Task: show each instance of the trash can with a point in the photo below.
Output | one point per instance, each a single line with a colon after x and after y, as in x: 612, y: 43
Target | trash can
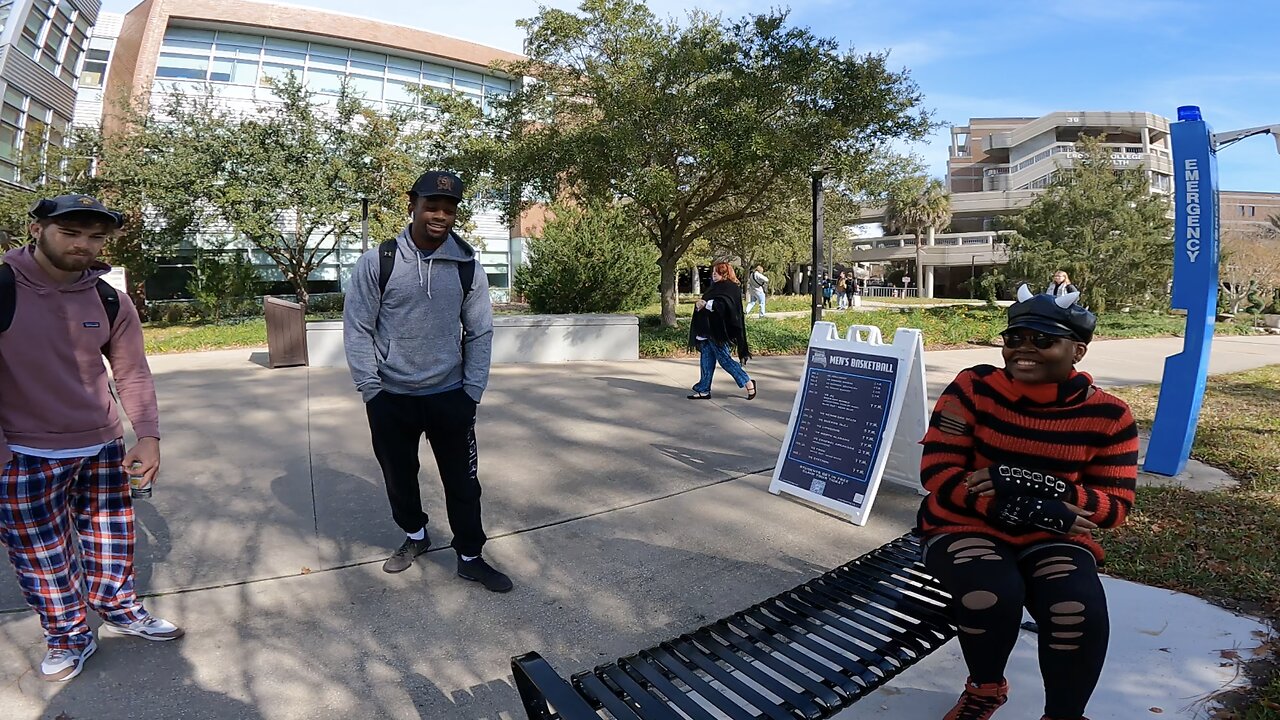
x: 286, y: 333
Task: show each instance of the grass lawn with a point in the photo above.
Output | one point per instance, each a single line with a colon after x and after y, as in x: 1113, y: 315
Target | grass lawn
x: 1223, y: 546
x: 944, y: 327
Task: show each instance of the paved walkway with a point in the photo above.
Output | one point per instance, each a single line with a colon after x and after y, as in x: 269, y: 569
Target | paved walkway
x: 625, y: 514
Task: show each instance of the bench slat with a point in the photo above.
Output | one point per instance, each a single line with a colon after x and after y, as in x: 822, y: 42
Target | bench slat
x: 771, y: 709
x: 593, y: 688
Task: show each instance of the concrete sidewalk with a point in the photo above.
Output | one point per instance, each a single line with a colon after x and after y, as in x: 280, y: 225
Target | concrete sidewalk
x: 619, y: 508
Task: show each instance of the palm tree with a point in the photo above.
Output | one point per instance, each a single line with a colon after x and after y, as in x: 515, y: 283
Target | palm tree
x: 916, y: 205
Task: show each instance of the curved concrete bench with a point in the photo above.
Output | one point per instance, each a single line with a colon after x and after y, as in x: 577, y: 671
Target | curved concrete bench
x: 518, y: 339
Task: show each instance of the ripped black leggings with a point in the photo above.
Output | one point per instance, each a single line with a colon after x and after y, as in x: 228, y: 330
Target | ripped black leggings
x: 1057, y: 583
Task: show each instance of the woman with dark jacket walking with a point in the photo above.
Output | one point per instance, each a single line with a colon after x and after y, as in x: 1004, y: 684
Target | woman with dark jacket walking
x: 718, y: 324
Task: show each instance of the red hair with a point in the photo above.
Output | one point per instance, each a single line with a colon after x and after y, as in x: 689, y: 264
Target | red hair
x: 725, y: 270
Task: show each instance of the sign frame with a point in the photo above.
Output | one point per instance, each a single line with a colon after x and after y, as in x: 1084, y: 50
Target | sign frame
x: 904, y: 426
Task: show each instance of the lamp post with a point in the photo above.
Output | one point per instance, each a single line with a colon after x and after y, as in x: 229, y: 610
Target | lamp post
x: 817, y: 174
x: 364, y: 225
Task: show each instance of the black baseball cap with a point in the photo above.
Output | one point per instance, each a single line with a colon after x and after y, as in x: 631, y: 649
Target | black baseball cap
x: 438, y: 183
x: 75, y: 204
x: 1051, y: 315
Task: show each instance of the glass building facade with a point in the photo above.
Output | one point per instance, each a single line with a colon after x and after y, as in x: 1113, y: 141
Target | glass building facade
x: 194, y: 52
x: 45, y: 42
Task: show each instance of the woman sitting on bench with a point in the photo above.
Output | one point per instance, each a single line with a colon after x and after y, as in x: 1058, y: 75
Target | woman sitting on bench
x: 1022, y: 465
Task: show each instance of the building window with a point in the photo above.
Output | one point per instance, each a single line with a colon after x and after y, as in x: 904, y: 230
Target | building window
x: 1251, y: 210
x: 6, y: 8
x: 1241, y: 210
x: 182, y: 67
x: 248, y: 61
x: 95, y: 68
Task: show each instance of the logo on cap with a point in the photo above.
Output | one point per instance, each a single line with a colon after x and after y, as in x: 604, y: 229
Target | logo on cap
x: 87, y: 201
x: 444, y: 182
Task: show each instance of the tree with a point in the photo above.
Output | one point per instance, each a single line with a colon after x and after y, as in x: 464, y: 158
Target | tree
x: 916, y: 205
x: 1100, y: 224
x: 588, y: 260
x: 1249, y: 263
x: 292, y: 176
x: 697, y: 125
x: 157, y: 172
x: 47, y: 170
x: 146, y: 170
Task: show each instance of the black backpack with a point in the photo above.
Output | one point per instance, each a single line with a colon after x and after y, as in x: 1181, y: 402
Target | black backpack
x: 387, y: 262
x: 9, y: 300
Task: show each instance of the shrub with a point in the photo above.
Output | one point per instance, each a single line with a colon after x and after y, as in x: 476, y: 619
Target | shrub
x: 172, y: 312
x: 589, y: 260
x: 223, y: 286
x: 328, y: 305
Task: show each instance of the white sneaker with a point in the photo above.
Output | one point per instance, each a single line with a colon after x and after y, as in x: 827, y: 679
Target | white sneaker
x: 153, y: 628
x: 60, y: 664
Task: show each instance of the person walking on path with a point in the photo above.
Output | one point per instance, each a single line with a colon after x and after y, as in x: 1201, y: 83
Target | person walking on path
x: 418, y: 333
x: 1023, y: 464
x: 828, y: 291
x: 1061, y: 284
x: 757, y: 284
x: 61, y: 439
x: 842, y: 288
x: 717, y: 328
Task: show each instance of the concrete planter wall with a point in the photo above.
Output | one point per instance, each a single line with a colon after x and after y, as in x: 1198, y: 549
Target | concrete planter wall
x: 518, y: 339
x: 1271, y: 321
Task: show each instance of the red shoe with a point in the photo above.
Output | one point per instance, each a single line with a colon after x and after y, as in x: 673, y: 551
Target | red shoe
x: 979, y: 702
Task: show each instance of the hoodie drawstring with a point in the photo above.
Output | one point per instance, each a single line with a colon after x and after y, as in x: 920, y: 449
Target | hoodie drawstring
x: 430, y: 264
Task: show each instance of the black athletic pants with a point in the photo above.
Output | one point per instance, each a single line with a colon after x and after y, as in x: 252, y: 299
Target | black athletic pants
x: 1058, y: 583
x: 398, y: 423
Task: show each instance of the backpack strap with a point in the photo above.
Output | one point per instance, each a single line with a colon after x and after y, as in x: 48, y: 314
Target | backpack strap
x: 467, y: 277
x: 8, y: 296
x: 386, y: 263
x: 111, y: 303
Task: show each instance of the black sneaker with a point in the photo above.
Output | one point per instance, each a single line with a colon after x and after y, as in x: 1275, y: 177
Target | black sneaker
x: 401, y: 559
x: 480, y: 571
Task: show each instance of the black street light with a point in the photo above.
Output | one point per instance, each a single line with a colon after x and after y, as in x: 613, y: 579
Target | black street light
x: 364, y: 225
x: 817, y: 174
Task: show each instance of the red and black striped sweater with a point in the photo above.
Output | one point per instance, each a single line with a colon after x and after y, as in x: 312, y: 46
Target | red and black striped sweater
x: 1072, y: 430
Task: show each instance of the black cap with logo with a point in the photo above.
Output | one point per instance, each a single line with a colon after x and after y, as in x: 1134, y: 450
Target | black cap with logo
x: 64, y: 205
x: 438, y: 183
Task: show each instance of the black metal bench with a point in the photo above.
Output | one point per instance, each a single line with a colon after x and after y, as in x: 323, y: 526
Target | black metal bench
x: 803, y: 654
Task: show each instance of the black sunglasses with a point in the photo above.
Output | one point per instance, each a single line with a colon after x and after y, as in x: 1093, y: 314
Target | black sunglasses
x: 1040, y: 340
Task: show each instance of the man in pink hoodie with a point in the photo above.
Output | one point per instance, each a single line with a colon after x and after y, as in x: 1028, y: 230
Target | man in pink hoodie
x: 61, y: 445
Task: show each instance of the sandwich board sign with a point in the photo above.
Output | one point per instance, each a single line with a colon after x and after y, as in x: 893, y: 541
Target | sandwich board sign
x: 857, y: 419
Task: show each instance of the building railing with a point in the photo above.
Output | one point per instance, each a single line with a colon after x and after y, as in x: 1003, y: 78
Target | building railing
x: 939, y: 240
x: 882, y: 291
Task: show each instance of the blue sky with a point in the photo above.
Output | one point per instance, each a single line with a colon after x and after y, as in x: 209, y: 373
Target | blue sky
x: 979, y: 58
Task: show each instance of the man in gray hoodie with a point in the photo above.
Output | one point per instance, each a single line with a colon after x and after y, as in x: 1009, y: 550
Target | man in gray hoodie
x: 418, y: 344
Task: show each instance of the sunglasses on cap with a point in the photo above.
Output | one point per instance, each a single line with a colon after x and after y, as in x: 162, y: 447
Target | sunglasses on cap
x: 1042, y: 341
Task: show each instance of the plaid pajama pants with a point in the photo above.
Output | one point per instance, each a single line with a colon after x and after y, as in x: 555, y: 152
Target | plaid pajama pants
x: 41, y: 501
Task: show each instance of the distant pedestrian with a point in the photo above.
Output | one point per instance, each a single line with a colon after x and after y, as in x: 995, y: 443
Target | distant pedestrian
x: 1061, y: 284
x: 757, y: 284
x: 842, y: 287
x: 718, y: 328
x: 850, y: 289
x: 828, y: 291
x: 66, y: 515
x: 418, y: 331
